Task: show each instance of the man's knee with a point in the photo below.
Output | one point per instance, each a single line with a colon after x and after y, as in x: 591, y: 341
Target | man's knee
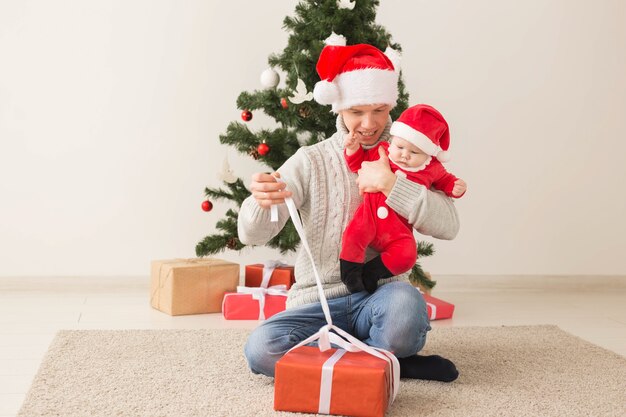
x: 406, y: 317
x: 264, y: 348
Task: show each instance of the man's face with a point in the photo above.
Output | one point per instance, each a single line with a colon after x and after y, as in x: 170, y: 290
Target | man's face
x: 366, y: 122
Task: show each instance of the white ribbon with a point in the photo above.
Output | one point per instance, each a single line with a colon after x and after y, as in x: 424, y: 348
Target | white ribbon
x: 327, y: 381
x: 295, y: 218
x: 433, y: 311
x: 325, y: 338
x: 259, y: 293
x: 268, y: 270
x: 433, y: 308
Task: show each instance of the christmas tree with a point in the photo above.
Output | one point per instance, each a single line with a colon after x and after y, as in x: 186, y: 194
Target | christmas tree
x: 300, y: 120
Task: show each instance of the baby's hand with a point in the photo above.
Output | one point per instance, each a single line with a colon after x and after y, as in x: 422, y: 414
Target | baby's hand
x: 350, y: 143
x: 459, y: 188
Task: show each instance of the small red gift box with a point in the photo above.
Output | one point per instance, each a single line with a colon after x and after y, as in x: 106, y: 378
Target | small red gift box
x: 242, y: 306
x: 438, y: 309
x: 282, y: 275
x: 332, y: 382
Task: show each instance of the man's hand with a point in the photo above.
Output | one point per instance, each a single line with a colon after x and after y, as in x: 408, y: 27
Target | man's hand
x: 376, y: 176
x: 459, y: 188
x: 267, y: 191
x: 350, y: 143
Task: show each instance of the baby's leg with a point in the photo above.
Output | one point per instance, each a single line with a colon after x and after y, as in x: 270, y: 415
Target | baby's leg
x: 356, y: 238
x: 398, y: 253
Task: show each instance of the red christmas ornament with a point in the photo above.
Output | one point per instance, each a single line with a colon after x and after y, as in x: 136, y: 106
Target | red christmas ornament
x: 246, y: 115
x: 263, y: 149
x: 284, y: 103
x: 207, y: 205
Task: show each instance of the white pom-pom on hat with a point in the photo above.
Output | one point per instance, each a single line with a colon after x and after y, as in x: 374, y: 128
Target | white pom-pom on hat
x: 326, y: 92
x: 395, y: 57
x: 443, y: 156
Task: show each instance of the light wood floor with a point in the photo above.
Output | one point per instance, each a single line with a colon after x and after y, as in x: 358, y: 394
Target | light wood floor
x: 32, y: 310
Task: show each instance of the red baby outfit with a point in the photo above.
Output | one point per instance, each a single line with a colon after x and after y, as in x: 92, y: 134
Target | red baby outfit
x: 375, y: 224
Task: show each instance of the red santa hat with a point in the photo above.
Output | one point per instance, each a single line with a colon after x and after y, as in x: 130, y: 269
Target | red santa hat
x: 355, y: 75
x: 424, y: 127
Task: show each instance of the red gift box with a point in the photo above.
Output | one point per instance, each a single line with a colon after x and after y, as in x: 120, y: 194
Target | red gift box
x: 438, y: 309
x: 242, y: 306
x: 282, y: 275
x: 332, y: 382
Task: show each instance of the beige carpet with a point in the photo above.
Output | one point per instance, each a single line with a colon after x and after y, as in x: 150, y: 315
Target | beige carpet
x: 505, y: 371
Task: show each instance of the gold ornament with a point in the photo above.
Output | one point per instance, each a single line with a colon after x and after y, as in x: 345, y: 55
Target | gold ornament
x: 254, y: 153
x: 232, y: 243
x: 304, y: 111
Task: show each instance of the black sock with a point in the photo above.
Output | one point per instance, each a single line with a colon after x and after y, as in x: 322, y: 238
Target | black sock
x: 432, y: 368
x: 372, y: 272
x: 352, y: 275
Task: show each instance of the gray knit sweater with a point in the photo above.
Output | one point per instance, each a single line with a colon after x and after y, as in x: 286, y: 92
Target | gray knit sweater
x: 325, y: 193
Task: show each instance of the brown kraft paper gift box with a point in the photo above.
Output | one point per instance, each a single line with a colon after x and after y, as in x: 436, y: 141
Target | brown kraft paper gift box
x: 192, y: 286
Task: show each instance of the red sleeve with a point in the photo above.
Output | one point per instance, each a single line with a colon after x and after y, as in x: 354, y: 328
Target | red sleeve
x: 355, y: 160
x: 444, y: 181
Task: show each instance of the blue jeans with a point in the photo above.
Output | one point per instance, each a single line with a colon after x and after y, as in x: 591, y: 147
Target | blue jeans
x: 393, y: 318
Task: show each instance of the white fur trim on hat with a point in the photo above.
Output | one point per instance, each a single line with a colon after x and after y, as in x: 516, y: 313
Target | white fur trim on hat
x: 416, y: 137
x: 366, y: 86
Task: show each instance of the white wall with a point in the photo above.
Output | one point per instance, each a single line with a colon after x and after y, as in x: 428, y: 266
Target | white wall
x: 110, y: 113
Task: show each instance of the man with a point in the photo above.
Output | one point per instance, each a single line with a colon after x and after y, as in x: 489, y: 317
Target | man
x: 361, y: 84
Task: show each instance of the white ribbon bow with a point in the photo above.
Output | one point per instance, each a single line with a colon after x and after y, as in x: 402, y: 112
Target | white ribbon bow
x: 259, y: 293
x: 268, y: 270
x: 325, y: 337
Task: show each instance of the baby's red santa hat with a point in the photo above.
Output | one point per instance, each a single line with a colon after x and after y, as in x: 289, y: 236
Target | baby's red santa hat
x: 356, y: 75
x: 424, y: 127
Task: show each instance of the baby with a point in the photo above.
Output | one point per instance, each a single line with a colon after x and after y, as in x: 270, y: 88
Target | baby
x: 419, y: 142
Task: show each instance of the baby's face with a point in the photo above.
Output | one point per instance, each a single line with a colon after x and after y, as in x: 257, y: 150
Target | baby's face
x: 405, y: 154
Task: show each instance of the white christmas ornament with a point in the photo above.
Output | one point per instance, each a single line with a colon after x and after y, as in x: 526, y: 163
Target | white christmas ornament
x: 301, y: 94
x: 346, y: 4
x: 303, y: 137
x: 335, y: 40
x: 227, y: 175
x: 269, y: 78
